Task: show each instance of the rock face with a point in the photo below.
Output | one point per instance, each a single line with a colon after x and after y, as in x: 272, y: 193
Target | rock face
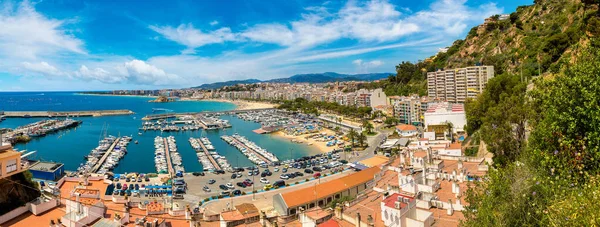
x: 161, y: 99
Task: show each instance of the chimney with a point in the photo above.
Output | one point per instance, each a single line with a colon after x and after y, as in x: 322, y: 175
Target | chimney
x: 460, y: 164
x: 450, y: 210
x: 77, y: 203
x: 357, y: 220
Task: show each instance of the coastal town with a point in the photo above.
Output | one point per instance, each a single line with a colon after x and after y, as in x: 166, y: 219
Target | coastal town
x: 404, y: 163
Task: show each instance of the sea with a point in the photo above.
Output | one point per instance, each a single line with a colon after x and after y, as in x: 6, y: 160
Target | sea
x: 70, y: 146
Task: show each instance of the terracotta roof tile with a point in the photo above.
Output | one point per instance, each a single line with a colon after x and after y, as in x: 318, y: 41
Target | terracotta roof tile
x: 306, y: 195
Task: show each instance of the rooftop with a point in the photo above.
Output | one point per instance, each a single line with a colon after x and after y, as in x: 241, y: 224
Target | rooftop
x: 369, y: 204
x: 306, y: 195
x: 318, y: 213
x: 155, y: 207
x: 45, y: 166
x: 7, y: 151
x: 391, y: 200
x: 406, y: 127
x: 375, y: 161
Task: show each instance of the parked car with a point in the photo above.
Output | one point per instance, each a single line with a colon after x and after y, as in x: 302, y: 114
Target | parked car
x: 284, y: 176
x: 241, y: 184
x: 317, y: 169
x: 267, y: 186
x: 225, y: 193
x: 223, y: 187
x: 299, y: 174
x: 317, y: 175
x: 206, y: 189
x: 236, y: 192
x: 264, y: 180
x: 211, y: 181
x: 279, y: 183
x: 230, y: 186
x: 309, y: 171
x: 233, y: 176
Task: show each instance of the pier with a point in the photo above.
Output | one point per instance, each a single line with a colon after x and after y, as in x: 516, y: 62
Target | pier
x: 252, y: 150
x: 93, y: 113
x: 103, y: 159
x: 172, y: 115
x: 168, y: 156
x: 210, y: 157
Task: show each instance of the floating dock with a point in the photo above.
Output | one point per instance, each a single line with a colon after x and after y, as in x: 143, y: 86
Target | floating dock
x: 172, y: 115
x: 93, y: 113
x: 110, y: 149
x: 207, y: 153
x: 168, y: 156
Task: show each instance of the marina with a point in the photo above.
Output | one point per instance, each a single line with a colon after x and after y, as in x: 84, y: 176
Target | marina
x: 160, y: 156
x: 176, y: 160
x: 182, y: 124
x: 93, y: 113
x: 95, y: 158
x: 114, y: 155
x: 39, y: 129
x: 256, y: 154
x: 209, y: 159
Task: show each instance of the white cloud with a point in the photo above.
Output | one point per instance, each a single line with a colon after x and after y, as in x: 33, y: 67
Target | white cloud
x: 192, y: 38
x: 43, y: 68
x: 368, y: 64
x: 26, y: 34
x: 99, y: 74
x: 141, y: 72
x: 213, y: 23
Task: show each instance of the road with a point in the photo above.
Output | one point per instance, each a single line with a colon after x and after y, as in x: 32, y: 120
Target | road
x: 265, y: 199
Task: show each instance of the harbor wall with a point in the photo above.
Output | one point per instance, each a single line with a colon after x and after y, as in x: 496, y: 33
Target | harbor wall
x: 93, y: 113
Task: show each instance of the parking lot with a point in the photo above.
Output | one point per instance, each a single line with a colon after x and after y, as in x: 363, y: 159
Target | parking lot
x: 195, y: 184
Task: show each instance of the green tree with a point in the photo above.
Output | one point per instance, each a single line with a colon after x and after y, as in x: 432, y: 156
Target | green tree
x: 352, y: 135
x: 391, y: 121
x: 362, y: 139
x: 368, y: 126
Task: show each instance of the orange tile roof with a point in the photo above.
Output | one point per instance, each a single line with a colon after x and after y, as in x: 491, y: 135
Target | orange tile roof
x: 247, y: 209
x: 420, y: 154
x: 309, y: 194
x: 85, y: 201
x: 406, y: 127
x: 318, y: 213
x: 368, y: 205
x: 232, y: 215
x: 389, y: 177
x: 375, y: 161
x: 391, y: 200
x: 86, y: 191
x: 153, y: 207
x: 443, y: 219
x: 455, y: 146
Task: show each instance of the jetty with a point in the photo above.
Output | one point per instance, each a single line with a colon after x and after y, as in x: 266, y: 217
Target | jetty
x: 106, y: 154
x: 172, y: 115
x: 210, y: 157
x: 255, y: 154
x: 92, y: 113
x: 168, y: 156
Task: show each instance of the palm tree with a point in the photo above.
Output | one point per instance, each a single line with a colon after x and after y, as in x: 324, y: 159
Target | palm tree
x: 450, y: 126
x: 361, y: 139
x: 352, y: 135
x: 368, y: 126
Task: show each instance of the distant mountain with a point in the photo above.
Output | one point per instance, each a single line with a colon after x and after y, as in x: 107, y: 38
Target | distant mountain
x: 304, y: 78
x: 227, y: 83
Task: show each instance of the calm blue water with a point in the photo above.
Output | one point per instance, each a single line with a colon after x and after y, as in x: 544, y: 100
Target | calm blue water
x: 69, y: 147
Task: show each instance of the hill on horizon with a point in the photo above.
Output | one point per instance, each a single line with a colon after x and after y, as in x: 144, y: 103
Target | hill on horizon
x: 303, y: 78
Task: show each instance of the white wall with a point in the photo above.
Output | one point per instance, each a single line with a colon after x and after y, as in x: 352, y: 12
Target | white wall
x: 14, y: 213
x: 458, y: 119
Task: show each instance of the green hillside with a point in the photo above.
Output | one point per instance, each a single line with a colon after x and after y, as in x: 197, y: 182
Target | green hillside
x: 534, y: 40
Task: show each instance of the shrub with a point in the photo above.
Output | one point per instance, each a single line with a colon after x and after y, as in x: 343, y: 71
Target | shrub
x: 306, y: 180
x: 254, y: 191
x: 287, y: 185
x: 206, y: 199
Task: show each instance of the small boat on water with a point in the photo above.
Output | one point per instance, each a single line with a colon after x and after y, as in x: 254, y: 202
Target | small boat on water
x: 136, y: 142
x: 140, y: 133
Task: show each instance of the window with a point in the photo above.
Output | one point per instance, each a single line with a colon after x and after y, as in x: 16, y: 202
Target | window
x: 11, y: 166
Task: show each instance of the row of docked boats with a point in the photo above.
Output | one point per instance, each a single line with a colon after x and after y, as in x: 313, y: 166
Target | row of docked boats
x: 117, y: 153
x: 95, y: 155
x: 205, y: 156
x: 160, y: 157
x: 171, y: 128
x: 255, y: 153
x: 175, y: 157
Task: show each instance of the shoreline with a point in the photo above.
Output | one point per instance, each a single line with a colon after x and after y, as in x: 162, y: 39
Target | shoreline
x: 318, y: 145
x: 242, y: 104
x: 137, y: 96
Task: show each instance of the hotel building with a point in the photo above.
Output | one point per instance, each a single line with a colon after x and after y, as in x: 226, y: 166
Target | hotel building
x: 458, y: 85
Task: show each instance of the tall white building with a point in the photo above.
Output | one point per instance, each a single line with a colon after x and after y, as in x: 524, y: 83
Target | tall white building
x: 443, y: 113
x: 457, y: 85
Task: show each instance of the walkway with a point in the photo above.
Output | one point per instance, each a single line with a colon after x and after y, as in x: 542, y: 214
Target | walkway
x: 210, y: 157
x: 105, y: 156
x: 252, y: 150
x: 168, y: 154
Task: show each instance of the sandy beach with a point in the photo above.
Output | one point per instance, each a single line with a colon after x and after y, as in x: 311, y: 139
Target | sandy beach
x: 321, y: 146
x: 243, y: 104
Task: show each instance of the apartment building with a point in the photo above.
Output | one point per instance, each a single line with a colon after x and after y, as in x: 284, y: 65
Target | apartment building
x: 458, y: 85
x: 10, y: 161
x: 410, y: 109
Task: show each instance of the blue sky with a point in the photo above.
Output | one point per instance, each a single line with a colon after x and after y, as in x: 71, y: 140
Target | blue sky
x: 103, y: 45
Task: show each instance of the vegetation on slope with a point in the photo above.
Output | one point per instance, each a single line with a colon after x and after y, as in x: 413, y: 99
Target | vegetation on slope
x: 17, y: 190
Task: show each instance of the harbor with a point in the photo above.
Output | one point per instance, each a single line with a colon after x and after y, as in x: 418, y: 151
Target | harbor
x: 39, y: 129
x: 114, y: 155
x: 160, y: 156
x: 256, y: 154
x: 97, y: 155
x: 210, y: 159
x: 176, y: 160
x: 93, y: 113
